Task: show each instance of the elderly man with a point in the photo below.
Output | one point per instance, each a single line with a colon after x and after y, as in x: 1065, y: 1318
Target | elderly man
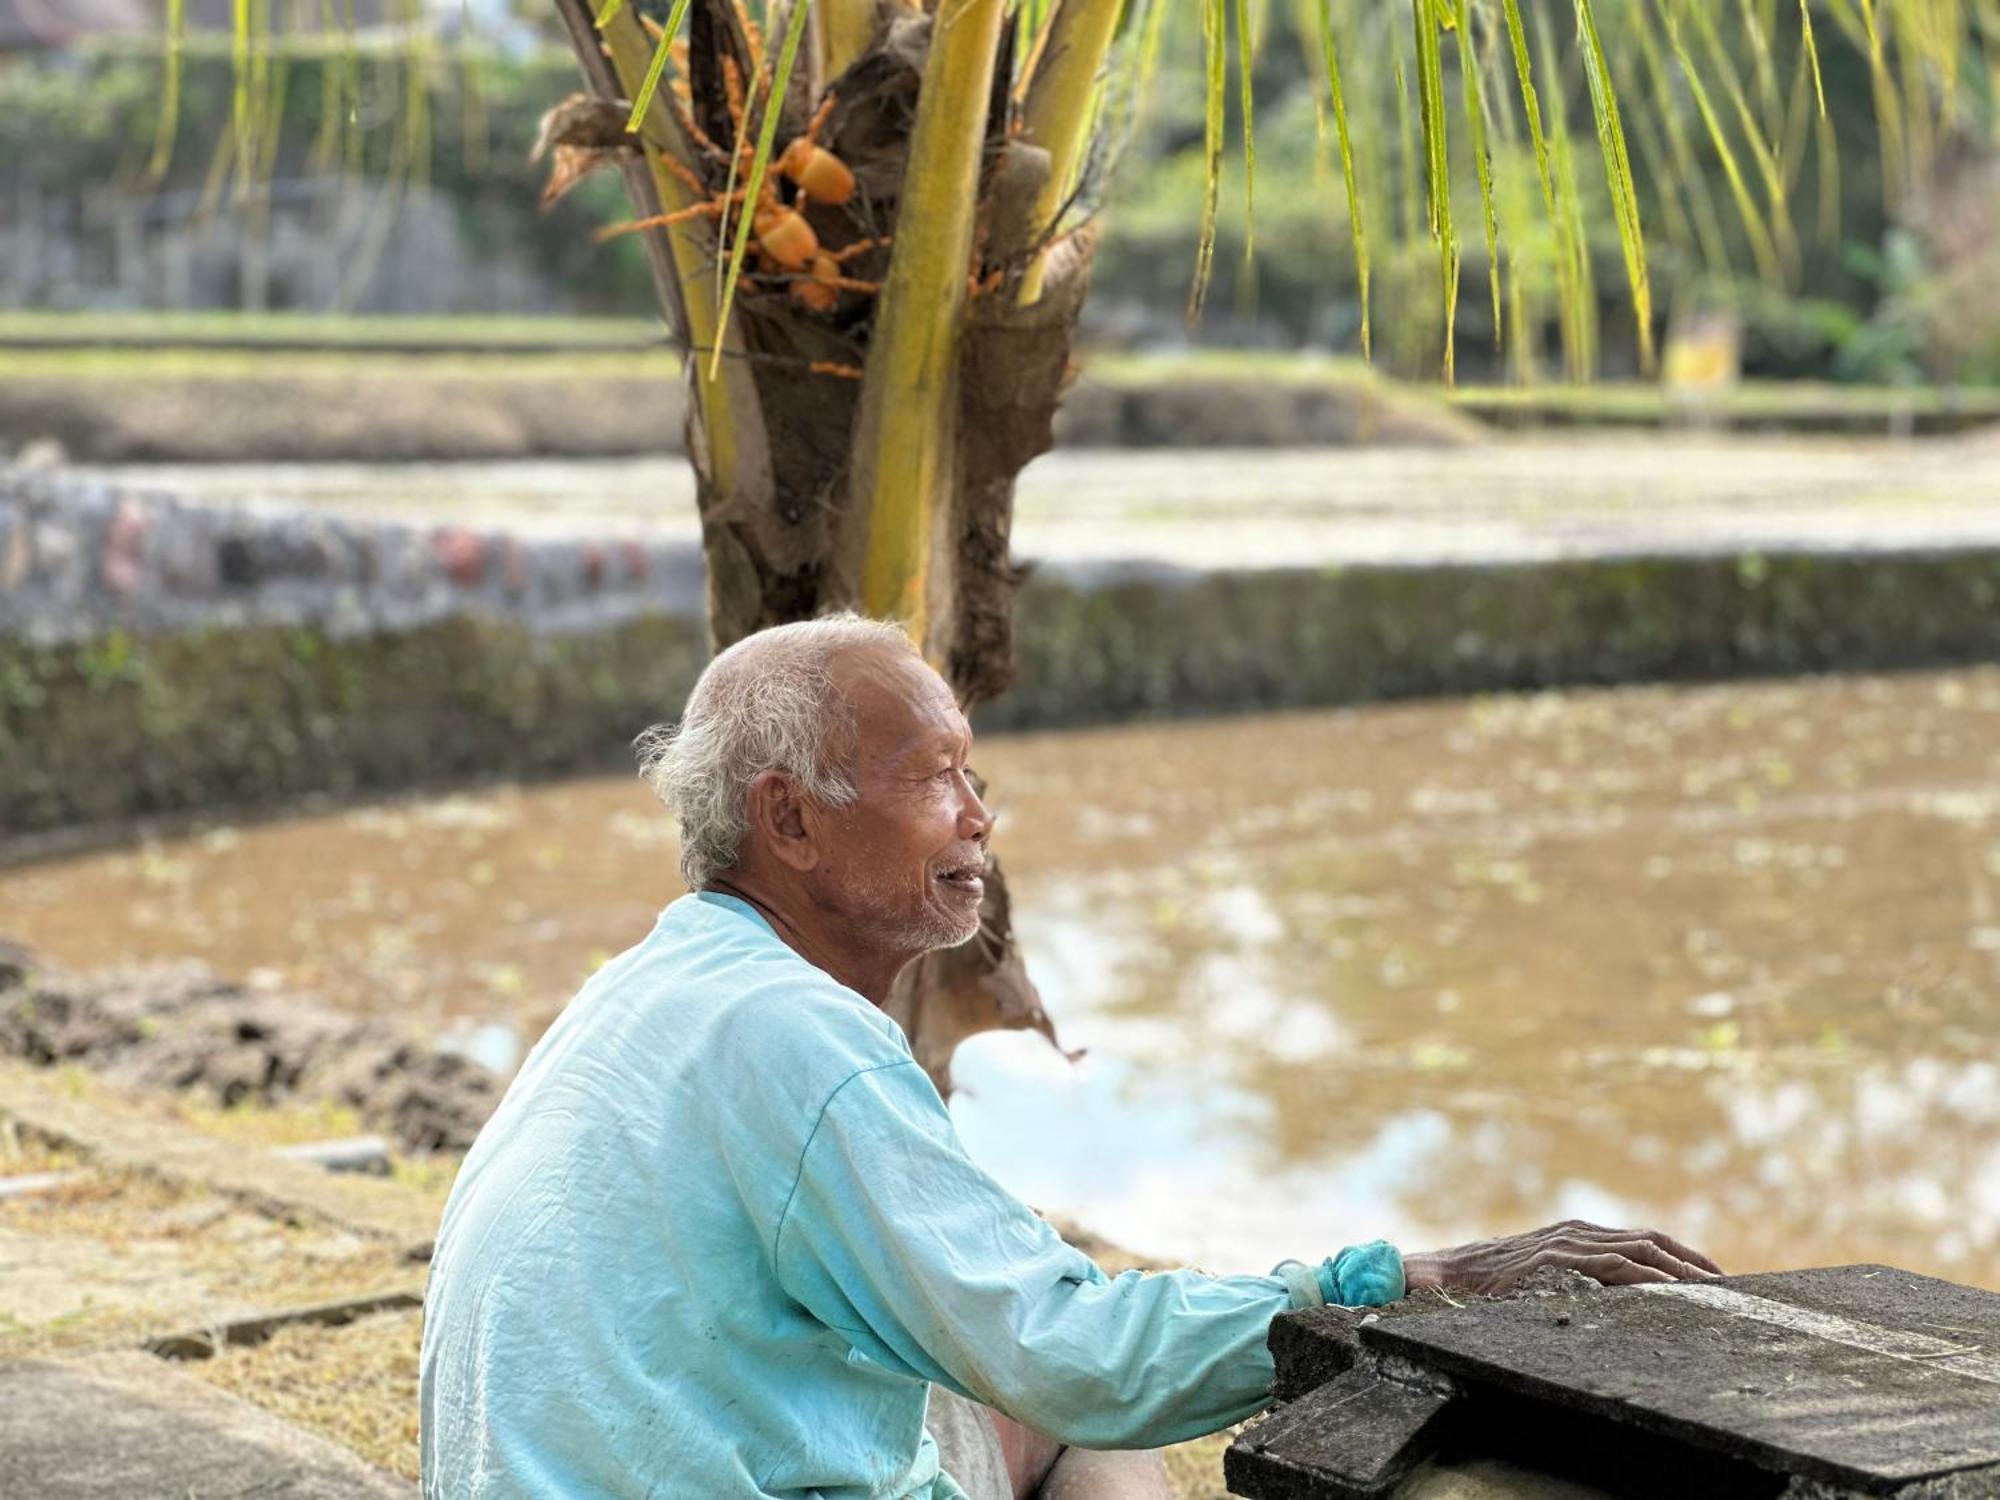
x: 720, y: 1238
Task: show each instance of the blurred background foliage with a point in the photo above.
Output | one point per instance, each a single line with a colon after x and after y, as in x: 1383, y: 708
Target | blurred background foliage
x: 78, y: 131
x: 1890, y: 281
x: 1885, y: 282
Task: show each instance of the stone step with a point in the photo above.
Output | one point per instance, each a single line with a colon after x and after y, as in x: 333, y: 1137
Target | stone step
x: 121, y: 1135
x: 1843, y: 1382
x: 118, y: 1426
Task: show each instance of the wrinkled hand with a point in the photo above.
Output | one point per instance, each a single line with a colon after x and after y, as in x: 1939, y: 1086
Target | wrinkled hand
x: 1616, y: 1257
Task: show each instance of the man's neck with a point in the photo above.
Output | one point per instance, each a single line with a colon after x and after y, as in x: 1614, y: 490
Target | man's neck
x: 805, y: 929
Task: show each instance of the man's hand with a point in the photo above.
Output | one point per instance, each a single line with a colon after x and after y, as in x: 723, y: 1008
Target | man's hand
x: 1616, y: 1257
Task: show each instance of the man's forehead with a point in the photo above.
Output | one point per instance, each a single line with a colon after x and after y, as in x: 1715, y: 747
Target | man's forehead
x: 901, y: 706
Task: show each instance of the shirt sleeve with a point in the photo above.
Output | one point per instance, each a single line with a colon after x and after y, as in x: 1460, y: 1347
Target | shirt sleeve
x: 894, y: 1238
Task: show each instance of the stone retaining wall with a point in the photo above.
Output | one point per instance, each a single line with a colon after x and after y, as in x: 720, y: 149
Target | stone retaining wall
x: 157, y: 658
x: 1123, y: 644
x: 160, y: 658
x: 81, y: 559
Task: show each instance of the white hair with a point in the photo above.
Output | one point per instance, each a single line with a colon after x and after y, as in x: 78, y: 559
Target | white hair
x: 768, y: 703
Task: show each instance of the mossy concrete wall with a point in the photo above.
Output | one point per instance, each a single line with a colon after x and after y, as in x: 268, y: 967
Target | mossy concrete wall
x: 119, y: 725
x: 162, y: 658
x: 1152, y: 643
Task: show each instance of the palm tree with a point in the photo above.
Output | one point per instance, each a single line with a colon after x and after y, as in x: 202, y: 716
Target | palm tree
x: 870, y: 226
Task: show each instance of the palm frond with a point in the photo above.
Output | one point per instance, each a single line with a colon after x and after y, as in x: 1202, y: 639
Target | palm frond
x: 1618, y: 173
x: 1356, y: 216
x: 1761, y: 245
x: 1437, y: 168
x: 760, y: 165
x: 170, y: 91
x: 1246, y: 49
x: 1811, y: 49
x: 1482, y: 156
x: 1692, y: 102
x: 663, y: 48
x: 1216, y: 76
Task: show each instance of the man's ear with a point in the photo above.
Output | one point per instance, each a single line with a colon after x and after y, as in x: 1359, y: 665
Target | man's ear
x: 779, y: 821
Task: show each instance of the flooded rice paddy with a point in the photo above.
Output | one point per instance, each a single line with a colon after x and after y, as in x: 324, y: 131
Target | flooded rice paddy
x: 1724, y: 959
x: 1522, y: 497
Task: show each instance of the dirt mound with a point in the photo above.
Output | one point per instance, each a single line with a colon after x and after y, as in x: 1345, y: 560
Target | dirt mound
x: 179, y: 1026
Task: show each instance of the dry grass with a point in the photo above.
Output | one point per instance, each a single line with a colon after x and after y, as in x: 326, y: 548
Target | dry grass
x: 115, y: 1259
x: 259, y: 1125
x: 1195, y: 1469
x: 355, y: 1385
x: 165, y: 1257
x: 23, y: 1153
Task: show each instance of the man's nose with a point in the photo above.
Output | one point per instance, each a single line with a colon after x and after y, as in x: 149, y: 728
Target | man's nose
x: 973, y: 816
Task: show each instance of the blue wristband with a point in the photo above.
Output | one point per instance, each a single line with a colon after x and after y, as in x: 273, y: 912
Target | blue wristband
x: 1367, y: 1275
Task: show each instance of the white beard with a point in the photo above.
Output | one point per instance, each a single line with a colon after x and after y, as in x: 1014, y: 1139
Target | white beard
x: 922, y: 932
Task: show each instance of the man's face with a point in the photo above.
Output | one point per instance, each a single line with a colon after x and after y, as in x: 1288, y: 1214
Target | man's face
x: 904, y: 864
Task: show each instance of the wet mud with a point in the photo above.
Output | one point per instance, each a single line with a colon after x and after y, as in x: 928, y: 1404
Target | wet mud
x: 178, y: 1027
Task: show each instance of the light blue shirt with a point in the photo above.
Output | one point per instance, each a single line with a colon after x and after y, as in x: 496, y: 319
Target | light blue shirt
x: 720, y: 1236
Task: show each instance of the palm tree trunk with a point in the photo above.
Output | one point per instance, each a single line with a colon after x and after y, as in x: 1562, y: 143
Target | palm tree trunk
x: 892, y: 492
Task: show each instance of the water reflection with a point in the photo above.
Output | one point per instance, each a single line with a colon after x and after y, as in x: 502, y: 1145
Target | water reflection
x: 1723, y: 959
x: 492, y: 1044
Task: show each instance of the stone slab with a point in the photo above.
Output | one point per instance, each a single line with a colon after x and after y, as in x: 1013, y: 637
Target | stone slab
x: 366, y: 1154
x: 121, y: 1135
x: 36, y: 1184
x: 1311, y: 1347
x: 120, y: 1426
x: 1355, y: 1438
x: 53, y: 1283
x: 1860, y: 1376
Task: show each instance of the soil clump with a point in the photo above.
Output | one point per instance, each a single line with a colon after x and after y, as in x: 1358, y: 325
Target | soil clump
x: 179, y: 1026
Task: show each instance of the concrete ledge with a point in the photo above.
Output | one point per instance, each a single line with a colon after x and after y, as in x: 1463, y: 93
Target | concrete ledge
x: 119, y: 1426
x: 1155, y: 643
x: 122, y: 727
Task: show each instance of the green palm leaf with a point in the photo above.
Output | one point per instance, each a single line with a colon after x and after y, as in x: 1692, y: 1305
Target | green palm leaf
x: 1356, y: 219
x: 658, y: 65
x: 1618, y: 173
x: 753, y: 186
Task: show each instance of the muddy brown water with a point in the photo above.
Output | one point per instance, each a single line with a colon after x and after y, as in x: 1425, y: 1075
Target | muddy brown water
x: 1725, y: 959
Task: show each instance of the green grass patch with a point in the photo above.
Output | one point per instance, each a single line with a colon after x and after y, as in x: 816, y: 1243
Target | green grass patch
x: 1804, y: 403
x: 217, y: 364
x: 471, y: 334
